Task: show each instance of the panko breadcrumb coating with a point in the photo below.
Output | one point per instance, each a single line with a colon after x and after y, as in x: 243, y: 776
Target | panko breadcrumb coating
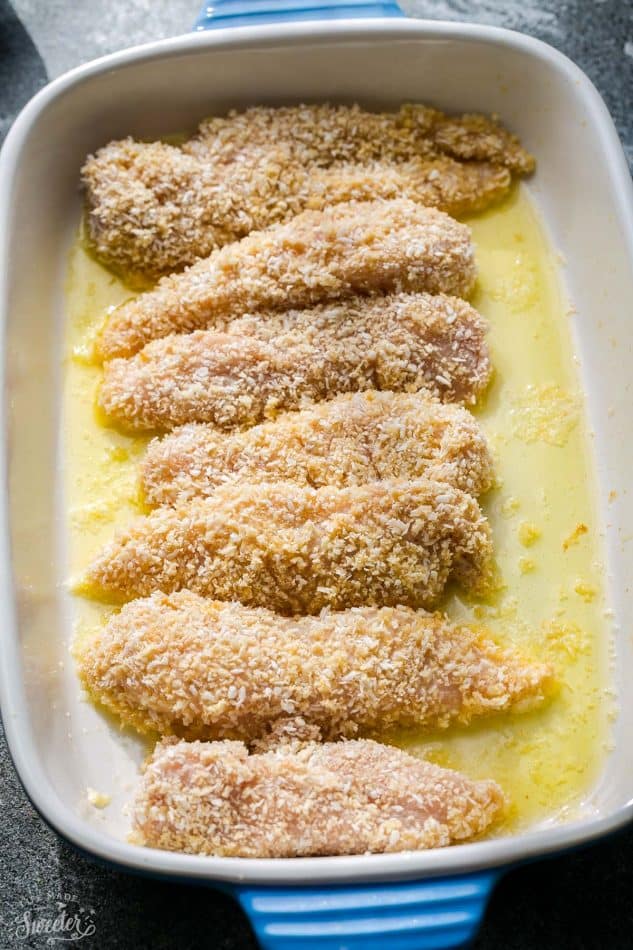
x: 153, y: 209
x: 347, y: 797
x: 319, y: 256
x: 350, y: 440
x: 270, y: 362
x: 297, y: 550
x: 325, y: 135
x: 206, y: 669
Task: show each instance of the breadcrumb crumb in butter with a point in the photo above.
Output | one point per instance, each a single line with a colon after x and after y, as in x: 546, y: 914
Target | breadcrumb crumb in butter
x: 97, y: 799
x: 575, y: 536
x: 565, y: 637
x: 545, y: 413
x: 510, y: 507
x: 585, y: 590
x: 528, y: 533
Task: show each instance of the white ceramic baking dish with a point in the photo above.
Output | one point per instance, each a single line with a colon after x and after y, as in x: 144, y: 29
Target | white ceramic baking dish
x: 582, y: 188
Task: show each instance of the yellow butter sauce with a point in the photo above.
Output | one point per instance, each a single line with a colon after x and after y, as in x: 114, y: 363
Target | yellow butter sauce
x: 551, y: 600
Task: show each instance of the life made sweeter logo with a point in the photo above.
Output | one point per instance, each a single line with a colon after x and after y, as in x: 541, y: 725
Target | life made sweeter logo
x: 62, y: 918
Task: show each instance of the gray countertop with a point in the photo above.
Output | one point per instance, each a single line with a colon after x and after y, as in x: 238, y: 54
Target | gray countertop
x: 581, y: 901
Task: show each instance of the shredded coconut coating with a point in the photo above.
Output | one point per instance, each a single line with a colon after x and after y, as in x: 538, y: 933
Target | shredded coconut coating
x: 270, y: 362
x: 319, y: 256
x: 297, y: 550
x: 153, y: 209
x: 347, y: 797
x: 326, y: 134
x: 349, y: 440
x: 206, y: 669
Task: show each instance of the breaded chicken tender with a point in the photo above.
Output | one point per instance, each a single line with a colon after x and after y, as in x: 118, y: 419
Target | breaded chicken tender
x: 206, y: 669
x: 297, y: 550
x: 319, y: 256
x: 271, y: 362
x: 349, y: 440
x: 153, y: 209
x: 347, y: 797
x: 325, y: 135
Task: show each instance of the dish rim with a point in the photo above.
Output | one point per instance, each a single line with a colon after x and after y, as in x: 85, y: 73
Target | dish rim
x: 457, y: 859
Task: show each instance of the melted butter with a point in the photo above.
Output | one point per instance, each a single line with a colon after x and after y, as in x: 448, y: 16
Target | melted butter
x: 550, y: 601
x: 101, y: 463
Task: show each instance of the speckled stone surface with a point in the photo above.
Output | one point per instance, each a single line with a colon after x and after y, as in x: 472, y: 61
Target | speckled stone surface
x: 581, y: 901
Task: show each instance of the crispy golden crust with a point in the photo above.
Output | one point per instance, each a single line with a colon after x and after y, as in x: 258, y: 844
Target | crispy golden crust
x: 345, y: 797
x: 349, y: 440
x: 153, y: 209
x: 271, y: 362
x: 319, y: 256
x: 210, y: 670
x: 326, y: 135
x: 296, y: 550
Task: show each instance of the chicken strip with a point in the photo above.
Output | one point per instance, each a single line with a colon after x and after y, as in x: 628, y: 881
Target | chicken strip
x: 368, y: 247
x: 210, y: 670
x: 296, y: 550
x: 153, y: 209
x: 326, y: 135
x: 271, y: 362
x: 345, y: 797
x: 349, y: 440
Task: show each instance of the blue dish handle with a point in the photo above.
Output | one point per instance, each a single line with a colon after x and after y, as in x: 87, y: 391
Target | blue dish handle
x: 420, y: 915
x: 434, y: 914
x: 227, y: 13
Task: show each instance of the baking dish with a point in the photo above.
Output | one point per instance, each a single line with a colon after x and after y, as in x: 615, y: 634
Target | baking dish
x: 583, y: 192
